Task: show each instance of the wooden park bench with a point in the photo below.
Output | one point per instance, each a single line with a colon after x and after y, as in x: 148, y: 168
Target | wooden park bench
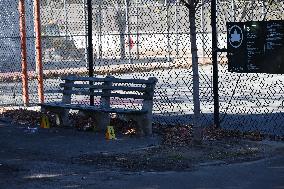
x: 105, y: 88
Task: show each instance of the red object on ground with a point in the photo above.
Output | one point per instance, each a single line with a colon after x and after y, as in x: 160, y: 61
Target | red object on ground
x: 131, y: 42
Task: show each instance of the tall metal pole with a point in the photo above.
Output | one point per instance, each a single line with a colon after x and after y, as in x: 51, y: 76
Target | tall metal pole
x: 127, y: 29
x: 85, y: 33
x: 176, y: 28
x: 168, y: 30
x: 137, y: 29
x: 203, y: 34
x: 215, y: 62
x: 39, y: 67
x: 90, y: 46
x: 24, y: 52
x: 233, y: 10
x: 100, y: 32
x: 66, y: 19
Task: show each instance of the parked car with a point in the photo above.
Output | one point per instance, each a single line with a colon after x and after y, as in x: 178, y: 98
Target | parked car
x: 55, y: 42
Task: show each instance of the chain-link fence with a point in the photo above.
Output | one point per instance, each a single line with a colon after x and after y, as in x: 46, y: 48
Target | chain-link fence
x: 141, y: 39
x: 252, y: 101
x: 132, y: 40
x: 10, y: 53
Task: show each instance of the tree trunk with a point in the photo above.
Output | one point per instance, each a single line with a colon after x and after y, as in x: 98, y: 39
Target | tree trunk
x: 197, y: 134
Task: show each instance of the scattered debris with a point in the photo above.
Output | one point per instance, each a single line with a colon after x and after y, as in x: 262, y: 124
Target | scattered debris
x: 27, y: 117
x: 83, y: 122
x: 178, y: 135
x: 31, y: 130
x: 80, y: 121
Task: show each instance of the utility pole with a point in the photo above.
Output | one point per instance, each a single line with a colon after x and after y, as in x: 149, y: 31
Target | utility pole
x: 90, y: 46
x: 126, y: 2
x: 215, y: 63
x: 24, y: 52
x: 39, y: 67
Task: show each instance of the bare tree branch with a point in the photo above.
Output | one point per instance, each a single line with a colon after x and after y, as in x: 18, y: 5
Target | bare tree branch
x: 185, y: 4
x: 194, y: 4
x: 200, y: 5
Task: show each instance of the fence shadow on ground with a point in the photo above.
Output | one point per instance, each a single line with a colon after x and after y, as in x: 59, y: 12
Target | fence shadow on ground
x: 269, y: 123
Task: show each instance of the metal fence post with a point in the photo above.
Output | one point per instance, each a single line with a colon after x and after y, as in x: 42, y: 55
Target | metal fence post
x: 24, y: 52
x: 215, y: 63
x: 39, y: 67
x: 128, y: 29
x: 90, y: 46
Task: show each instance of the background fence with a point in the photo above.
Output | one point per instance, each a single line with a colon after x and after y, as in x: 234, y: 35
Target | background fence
x: 142, y: 39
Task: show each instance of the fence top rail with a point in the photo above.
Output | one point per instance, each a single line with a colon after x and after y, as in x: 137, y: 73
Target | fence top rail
x: 150, y: 80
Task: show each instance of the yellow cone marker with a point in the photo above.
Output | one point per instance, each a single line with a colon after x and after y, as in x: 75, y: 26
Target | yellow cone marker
x: 44, y: 123
x: 110, y: 134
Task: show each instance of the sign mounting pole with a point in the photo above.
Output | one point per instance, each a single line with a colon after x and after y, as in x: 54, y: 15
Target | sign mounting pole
x: 90, y: 47
x: 215, y: 63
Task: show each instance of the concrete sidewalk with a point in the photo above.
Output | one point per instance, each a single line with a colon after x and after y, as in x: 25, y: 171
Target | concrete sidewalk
x: 43, y: 159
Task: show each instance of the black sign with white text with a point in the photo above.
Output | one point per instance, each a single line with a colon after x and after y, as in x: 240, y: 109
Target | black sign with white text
x: 256, y: 47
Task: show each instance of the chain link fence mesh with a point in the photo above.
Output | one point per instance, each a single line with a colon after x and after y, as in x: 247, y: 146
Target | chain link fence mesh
x: 10, y: 53
x: 141, y: 39
x: 253, y: 101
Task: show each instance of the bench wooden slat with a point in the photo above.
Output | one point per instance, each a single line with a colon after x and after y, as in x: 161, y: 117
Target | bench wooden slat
x: 54, y: 91
x: 87, y: 92
x: 122, y: 88
x: 93, y: 108
x: 114, y: 80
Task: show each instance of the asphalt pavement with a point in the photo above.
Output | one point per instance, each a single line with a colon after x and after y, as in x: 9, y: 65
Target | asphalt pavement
x: 42, y: 159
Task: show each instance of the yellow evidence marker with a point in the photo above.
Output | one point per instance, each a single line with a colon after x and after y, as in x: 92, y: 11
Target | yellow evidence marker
x: 44, y: 122
x: 110, y: 135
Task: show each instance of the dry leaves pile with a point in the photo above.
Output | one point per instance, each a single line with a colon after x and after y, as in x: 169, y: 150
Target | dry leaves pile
x: 27, y: 117
x: 176, y: 134
x: 139, y: 161
x: 87, y: 123
x: 79, y: 121
x: 213, y: 133
x: 124, y: 127
x: 171, y: 134
x: 83, y: 122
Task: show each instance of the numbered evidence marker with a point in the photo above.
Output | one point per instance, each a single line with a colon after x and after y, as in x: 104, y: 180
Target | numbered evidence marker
x: 110, y: 133
x: 44, y: 122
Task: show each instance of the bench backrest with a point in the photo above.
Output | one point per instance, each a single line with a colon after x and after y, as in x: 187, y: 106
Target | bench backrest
x: 108, y: 87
